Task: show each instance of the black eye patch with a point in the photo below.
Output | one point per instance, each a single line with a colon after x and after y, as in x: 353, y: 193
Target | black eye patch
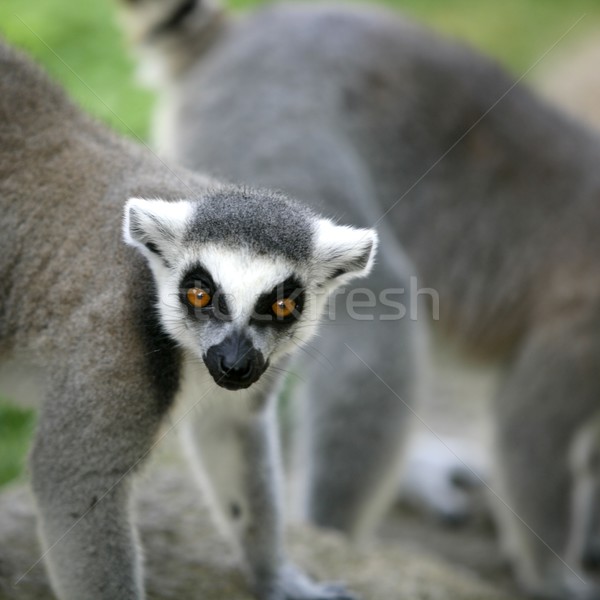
x: 291, y: 289
x: 199, y: 277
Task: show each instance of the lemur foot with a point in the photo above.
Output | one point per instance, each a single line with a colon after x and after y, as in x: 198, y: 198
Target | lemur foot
x: 292, y: 584
x: 442, y: 478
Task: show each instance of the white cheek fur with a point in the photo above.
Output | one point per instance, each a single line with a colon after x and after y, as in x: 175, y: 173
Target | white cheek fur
x: 172, y: 313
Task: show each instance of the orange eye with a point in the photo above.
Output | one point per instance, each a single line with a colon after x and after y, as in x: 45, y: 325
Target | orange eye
x: 198, y: 297
x: 283, y: 308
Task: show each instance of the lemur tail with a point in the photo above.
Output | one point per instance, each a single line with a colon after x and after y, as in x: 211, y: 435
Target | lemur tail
x: 169, y: 34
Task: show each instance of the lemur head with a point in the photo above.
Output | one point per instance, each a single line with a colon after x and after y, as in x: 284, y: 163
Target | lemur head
x: 166, y: 34
x: 243, y: 276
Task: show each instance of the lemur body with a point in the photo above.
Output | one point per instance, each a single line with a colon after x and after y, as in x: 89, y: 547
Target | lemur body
x: 494, y: 194
x: 221, y: 283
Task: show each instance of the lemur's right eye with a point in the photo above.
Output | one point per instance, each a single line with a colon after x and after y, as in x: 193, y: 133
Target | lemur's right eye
x: 284, y: 308
x: 198, y: 298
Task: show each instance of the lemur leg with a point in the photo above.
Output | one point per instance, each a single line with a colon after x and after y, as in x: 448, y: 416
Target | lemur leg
x: 551, y: 389
x: 235, y: 446
x: 584, y: 462
x: 93, y: 433
x: 357, y: 407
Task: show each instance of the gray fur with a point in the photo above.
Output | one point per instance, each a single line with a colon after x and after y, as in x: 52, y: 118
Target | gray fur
x: 85, y: 314
x: 224, y: 219
x: 496, y: 198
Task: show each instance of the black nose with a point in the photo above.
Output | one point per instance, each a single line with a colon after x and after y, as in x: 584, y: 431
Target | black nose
x: 235, y: 363
x: 240, y: 369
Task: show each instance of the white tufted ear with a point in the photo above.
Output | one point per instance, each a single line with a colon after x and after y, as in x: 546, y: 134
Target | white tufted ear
x: 343, y: 253
x: 150, y: 225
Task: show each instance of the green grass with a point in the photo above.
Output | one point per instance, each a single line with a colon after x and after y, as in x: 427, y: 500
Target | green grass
x: 15, y: 430
x: 80, y: 45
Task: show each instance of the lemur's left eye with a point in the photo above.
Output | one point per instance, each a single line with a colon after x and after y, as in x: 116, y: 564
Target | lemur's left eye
x: 197, y: 297
x: 283, y: 308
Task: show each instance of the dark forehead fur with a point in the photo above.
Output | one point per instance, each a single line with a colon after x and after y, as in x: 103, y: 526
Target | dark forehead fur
x: 265, y: 222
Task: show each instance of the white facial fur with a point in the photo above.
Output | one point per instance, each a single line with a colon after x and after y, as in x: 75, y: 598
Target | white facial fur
x: 240, y: 275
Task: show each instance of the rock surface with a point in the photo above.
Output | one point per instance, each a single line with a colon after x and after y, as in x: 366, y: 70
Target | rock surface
x: 187, y: 559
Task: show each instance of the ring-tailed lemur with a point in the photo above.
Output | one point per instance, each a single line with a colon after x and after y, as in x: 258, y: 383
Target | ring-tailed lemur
x: 494, y: 195
x: 349, y: 490
x: 237, y: 280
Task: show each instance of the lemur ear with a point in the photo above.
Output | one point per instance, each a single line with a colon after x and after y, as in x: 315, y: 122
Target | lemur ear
x: 150, y: 225
x: 342, y: 252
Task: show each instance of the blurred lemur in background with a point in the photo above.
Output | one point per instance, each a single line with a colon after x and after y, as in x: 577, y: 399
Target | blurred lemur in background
x: 210, y: 288
x: 494, y: 195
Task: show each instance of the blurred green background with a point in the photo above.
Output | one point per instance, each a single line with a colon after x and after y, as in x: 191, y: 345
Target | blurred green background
x: 80, y: 44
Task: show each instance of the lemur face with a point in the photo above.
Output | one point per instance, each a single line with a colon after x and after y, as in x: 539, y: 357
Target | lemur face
x: 243, y: 276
